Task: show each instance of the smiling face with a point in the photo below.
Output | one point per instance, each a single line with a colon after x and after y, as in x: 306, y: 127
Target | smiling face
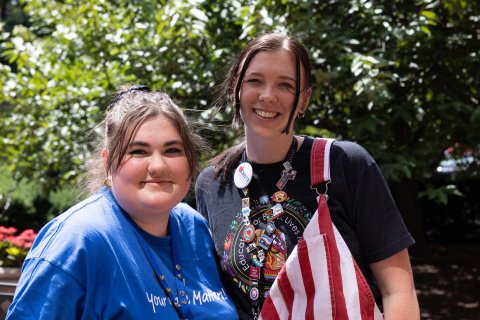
x: 268, y: 93
x: 154, y: 174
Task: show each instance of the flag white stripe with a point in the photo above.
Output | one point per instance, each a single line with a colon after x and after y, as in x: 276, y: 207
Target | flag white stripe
x: 326, y: 160
x: 312, y: 229
x: 318, y: 260
x: 294, y: 274
x: 278, y: 302
x: 350, y: 286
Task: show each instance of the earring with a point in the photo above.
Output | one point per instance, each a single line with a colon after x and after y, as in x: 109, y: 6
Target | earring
x: 300, y: 115
x: 107, y: 182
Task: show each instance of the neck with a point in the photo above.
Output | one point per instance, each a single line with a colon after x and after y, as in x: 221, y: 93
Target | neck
x: 268, y: 150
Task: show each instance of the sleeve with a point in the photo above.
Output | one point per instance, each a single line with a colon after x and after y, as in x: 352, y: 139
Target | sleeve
x: 201, y: 191
x: 46, y: 292
x: 60, y: 278
x: 379, y: 225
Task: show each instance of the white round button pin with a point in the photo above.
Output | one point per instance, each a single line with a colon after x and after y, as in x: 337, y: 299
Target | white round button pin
x: 243, y: 175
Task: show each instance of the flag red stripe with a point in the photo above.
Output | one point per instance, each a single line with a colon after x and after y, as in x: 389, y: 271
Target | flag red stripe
x: 269, y: 312
x: 307, y: 277
x: 317, y: 162
x: 285, y: 289
x: 336, y: 285
x: 367, y: 302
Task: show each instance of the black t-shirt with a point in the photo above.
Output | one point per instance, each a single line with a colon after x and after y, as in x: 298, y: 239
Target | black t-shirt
x: 360, y: 204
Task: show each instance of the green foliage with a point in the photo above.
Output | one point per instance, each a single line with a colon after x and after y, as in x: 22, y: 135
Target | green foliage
x: 23, y: 191
x: 399, y: 77
x: 441, y: 194
x: 22, y: 204
x: 62, y: 199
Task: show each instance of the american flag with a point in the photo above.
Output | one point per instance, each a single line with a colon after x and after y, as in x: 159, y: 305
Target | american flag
x: 320, y: 279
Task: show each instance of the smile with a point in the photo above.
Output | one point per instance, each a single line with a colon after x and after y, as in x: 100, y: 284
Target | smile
x: 265, y: 114
x: 156, y: 182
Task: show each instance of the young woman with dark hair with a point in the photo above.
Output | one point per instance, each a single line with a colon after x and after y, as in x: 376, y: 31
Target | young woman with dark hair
x: 257, y: 195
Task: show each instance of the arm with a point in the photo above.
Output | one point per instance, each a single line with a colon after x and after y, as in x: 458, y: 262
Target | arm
x: 394, y: 278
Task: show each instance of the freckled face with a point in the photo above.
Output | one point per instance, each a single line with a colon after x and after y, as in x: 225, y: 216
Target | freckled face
x: 268, y: 92
x: 154, y: 175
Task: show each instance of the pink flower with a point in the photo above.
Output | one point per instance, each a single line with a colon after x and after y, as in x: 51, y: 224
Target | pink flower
x: 14, y: 248
x: 6, y: 232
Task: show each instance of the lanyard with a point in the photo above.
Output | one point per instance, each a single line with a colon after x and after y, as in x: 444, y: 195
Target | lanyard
x: 258, y: 252
x: 159, y: 269
x: 287, y: 174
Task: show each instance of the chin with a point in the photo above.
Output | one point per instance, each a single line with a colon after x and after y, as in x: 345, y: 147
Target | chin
x: 158, y: 204
x: 268, y: 134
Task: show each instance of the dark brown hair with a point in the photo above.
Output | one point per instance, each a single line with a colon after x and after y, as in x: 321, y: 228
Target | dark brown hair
x: 229, y: 90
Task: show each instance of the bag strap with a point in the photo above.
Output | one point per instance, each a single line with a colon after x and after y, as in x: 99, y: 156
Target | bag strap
x: 338, y: 249
x: 320, y: 162
x: 320, y: 174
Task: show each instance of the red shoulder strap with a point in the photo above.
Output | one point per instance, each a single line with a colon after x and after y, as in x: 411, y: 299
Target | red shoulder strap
x: 320, y: 161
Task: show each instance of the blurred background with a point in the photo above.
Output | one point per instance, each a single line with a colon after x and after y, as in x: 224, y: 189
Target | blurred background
x: 399, y: 77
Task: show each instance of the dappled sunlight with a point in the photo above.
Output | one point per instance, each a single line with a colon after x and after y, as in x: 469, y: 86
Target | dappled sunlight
x: 427, y: 268
x: 448, y: 283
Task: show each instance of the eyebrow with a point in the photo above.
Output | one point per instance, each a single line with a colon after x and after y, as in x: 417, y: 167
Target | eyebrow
x: 261, y: 74
x: 146, y: 144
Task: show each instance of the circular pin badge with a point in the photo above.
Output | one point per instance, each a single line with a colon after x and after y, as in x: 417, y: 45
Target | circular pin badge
x: 248, y: 233
x: 243, y: 175
x: 254, y: 293
x: 280, y: 196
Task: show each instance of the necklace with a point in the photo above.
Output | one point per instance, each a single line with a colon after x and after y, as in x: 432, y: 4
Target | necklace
x: 258, y: 248
x: 159, y: 271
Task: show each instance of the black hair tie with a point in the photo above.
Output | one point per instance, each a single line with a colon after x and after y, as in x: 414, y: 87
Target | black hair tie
x: 141, y: 87
x: 119, y: 95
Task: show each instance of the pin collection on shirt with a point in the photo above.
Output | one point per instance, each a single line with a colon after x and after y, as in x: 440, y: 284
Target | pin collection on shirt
x: 258, y: 249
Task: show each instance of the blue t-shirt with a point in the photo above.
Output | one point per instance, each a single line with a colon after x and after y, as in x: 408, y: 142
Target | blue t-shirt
x: 89, y: 263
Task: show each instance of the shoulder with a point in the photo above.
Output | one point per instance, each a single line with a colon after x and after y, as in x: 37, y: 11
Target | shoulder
x: 205, y: 176
x: 343, y: 151
x: 186, y: 215
x: 349, y: 161
x: 351, y: 152
x: 208, y: 185
x: 191, y: 228
x: 92, y: 213
x: 82, y: 225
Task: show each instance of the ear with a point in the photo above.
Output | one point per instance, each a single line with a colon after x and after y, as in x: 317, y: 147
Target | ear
x: 104, y: 157
x: 305, y: 99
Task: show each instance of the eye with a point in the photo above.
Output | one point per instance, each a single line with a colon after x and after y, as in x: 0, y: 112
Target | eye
x: 137, y: 152
x: 174, y: 150
x: 253, y: 81
x: 287, y: 86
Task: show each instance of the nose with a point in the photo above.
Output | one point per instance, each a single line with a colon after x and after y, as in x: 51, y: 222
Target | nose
x: 267, y: 94
x: 156, y: 164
